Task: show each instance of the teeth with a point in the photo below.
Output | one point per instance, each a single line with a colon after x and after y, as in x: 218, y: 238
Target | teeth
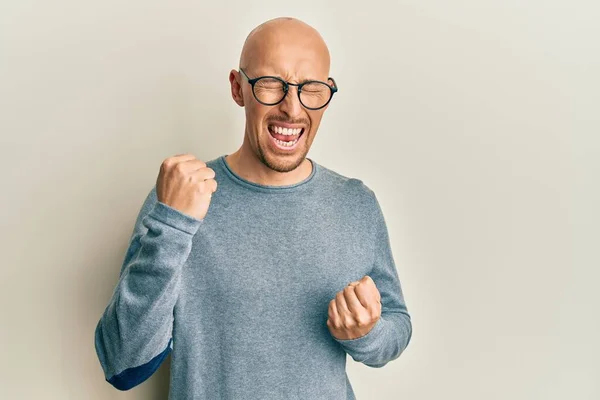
x: 286, y: 144
x: 286, y: 131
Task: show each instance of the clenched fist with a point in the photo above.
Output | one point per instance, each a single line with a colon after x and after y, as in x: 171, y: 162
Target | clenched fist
x: 354, y: 310
x: 186, y: 184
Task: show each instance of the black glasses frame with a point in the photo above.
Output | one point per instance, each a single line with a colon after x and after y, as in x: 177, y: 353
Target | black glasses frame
x: 286, y: 87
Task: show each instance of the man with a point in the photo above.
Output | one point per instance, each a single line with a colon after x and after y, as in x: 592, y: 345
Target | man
x: 260, y: 287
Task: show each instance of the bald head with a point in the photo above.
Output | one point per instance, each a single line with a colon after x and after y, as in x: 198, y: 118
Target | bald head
x: 268, y: 42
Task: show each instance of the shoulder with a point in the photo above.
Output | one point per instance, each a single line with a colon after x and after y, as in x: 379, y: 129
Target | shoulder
x: 352, y: 189
x: 213, y: 162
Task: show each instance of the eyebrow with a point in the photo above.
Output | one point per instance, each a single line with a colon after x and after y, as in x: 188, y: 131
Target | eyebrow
x: 287, y: 80
x: 299, y: 81
x: 302, y: 81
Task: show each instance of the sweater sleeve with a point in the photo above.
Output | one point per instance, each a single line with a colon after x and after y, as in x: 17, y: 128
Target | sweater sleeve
x: 134, y: 333
x: 392, y: 332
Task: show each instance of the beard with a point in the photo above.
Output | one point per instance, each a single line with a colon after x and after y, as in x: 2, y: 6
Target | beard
x: 281, y: 163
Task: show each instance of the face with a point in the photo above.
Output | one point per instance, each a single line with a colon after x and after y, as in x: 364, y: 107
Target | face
x: 294, y: 63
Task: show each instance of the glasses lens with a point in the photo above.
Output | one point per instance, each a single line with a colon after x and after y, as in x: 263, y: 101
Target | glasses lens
x: 315, y: 94
x: 269, y: 90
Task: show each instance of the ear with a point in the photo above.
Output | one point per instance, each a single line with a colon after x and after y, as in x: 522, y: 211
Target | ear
x: 236, y: 88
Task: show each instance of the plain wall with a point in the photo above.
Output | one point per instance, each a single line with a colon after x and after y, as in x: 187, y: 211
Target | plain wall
x: 475, y: 122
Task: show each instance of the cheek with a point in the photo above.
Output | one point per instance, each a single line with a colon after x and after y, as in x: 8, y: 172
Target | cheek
x: 315, y: 121
x: 254, y: 123
x: 255, y: 115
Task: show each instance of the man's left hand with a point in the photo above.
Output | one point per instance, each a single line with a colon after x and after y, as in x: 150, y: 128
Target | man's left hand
x: 355, y: 309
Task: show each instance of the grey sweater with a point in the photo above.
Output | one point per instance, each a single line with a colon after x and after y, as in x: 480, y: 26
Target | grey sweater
x: 241, y: 297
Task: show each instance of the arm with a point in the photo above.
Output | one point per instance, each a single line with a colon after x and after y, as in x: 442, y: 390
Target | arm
x: 134, y: 334
x: 390, y: 335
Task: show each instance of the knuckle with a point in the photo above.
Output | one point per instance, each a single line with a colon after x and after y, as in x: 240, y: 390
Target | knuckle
x: 208, y: 172
x: 178, y: 168
x: 349, y: 323
x: 374, y: 314
x: 166, y: 164
x: 363, y: 320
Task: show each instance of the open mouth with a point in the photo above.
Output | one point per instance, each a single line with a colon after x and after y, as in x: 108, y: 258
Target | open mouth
x: 285, y: 138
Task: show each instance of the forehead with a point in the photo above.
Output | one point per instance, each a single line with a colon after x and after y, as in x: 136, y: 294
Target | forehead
x: 291, y: 60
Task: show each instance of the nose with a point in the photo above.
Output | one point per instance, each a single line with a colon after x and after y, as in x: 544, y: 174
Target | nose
x: 291, y: 103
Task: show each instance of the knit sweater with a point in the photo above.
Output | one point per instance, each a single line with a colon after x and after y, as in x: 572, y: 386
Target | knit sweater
x: 240, y: 298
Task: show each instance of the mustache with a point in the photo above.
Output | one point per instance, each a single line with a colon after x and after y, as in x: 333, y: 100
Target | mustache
x: 278, y: 118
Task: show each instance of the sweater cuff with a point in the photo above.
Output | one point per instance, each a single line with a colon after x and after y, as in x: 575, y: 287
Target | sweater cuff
x: 175, y: 218
x: 365, y: 343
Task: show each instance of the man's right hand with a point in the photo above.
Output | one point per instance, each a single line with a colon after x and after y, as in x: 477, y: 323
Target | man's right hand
x: 186, y: 184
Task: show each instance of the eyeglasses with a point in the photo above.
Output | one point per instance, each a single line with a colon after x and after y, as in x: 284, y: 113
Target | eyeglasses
x: 271, y: 90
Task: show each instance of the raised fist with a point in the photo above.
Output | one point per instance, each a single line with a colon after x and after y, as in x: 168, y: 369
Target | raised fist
x: 186, y: 184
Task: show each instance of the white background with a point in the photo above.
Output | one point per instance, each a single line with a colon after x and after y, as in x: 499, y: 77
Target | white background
x: 475, y: 122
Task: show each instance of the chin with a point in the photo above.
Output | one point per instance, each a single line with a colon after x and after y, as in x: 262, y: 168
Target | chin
x: 281, y: 160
